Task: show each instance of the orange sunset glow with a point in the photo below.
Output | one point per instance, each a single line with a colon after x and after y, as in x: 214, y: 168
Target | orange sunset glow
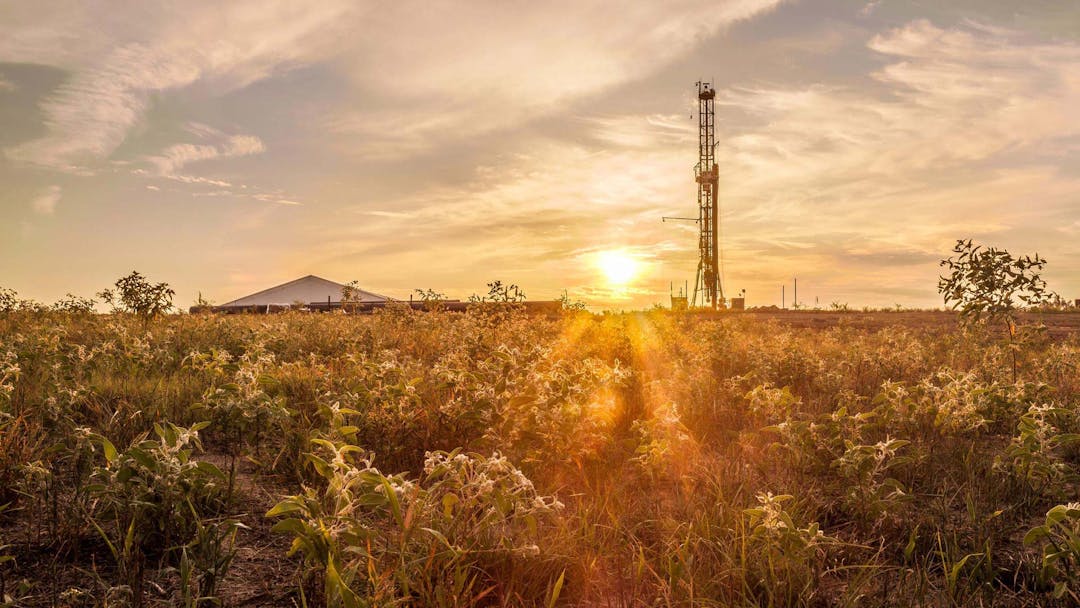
x: 234, y: 146
x: 556, y: 303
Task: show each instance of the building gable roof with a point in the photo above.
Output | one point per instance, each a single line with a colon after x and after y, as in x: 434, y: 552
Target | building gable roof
x: 309, y: 290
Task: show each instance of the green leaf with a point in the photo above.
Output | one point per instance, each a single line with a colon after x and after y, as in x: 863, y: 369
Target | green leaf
x: 556, y: 590
x: 371, y: 499
x: 954, y: 572
x: 291, y: 525
x: 209, y: 468
x: 1035, y: 534
x: 909, y: 550
x: 441, y: 537
x: 1056, y: 515
x: 1067, y: 438
x: 1060, y: 589
x: 284, y: 507
x: 392, y: 499
x: 335, y: 586
x: 448, y: 503
x: 108, y: 448
x: 321, y: 466
x: 142, y: 457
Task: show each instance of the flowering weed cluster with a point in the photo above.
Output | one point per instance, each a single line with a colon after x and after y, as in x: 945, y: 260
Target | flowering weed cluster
x: 643, y: 459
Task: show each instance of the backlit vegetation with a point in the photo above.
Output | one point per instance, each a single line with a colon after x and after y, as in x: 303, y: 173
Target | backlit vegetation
x: 490, y: 458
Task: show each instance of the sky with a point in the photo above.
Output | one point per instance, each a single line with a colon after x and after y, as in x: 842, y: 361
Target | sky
x: 225, y: 147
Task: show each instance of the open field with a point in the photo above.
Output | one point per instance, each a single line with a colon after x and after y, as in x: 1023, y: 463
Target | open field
x: 490, y: 458
x: 1059, y: 324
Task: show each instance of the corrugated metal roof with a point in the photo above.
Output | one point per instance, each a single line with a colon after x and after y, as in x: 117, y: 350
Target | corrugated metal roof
x: 309, y: 290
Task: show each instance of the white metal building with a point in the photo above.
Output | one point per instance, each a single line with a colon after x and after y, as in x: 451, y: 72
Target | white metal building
x: 310, y: 291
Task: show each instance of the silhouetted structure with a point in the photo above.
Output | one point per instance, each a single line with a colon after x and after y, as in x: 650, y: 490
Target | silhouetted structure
x: 310, y: 292
x: 679, y: 302
x: 707, y: 175
x: 314, y: 293
x: 708, y: 284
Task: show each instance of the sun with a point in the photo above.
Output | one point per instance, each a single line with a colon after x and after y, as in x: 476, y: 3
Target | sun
x: 618, y: 267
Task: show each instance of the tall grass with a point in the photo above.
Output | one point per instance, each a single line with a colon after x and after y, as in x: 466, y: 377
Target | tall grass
x: 491, y: 458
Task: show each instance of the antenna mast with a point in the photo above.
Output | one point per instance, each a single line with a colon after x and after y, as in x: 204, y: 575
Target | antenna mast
x: 707, y: 175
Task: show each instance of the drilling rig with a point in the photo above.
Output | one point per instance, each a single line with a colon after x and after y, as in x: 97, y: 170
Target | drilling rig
x: 708, y: 285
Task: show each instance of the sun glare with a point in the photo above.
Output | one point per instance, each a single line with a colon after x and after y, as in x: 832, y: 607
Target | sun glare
x: 618, y: 268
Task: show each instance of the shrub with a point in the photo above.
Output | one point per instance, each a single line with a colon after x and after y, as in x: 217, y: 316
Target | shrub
x: 986, y: 283
x: 137, y: 295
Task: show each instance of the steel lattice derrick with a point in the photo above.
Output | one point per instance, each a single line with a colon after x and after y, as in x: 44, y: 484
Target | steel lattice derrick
x: 706, y: 173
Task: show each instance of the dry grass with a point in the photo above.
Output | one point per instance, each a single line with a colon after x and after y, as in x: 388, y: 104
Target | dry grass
x: 785, y: 458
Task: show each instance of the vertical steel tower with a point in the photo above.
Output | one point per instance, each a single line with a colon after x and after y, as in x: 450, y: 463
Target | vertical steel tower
x: 707, y: 175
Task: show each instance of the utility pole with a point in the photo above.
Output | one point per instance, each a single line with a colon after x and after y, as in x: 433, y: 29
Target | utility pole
x: 796, y: 293
x: 783, y: 297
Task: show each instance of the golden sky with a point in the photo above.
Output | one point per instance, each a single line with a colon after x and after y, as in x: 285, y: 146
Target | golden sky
x: 228, y: 147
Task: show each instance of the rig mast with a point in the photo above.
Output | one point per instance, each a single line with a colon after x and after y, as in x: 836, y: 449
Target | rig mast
x: 707, y: 175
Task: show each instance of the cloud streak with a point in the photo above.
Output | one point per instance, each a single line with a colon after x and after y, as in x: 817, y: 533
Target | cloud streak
x: 114, y: 78
x: 45, y: 204
x: 403, y: 50
x: 843, y: 184
x: 176, y: 157
x: 170, y: 162
x: 950, y: 102
x: 444, y: 144
x: 502, y: 64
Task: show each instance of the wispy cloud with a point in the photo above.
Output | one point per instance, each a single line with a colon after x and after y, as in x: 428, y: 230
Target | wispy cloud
x: 636, y: 131
x: 869, y: 8
x: 171, y: 161
x: 958, y: 134
x: 404, y: 50
x: 473, y: 141
x: 949, y: 138
x: 502, y: 64
x: 949, y: 100
x: 176, y: 157
x: 276, y: 198
x: 116, y: 73
x: 45, y: 203
x: 539, y: 218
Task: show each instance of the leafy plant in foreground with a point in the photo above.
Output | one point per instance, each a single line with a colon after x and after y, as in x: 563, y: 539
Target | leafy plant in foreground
x: 784, y: 558
x: 1060, y: 538
x: 447, y: 539
x: 872, y: 493
x: 1034, y: 455
x: 206, y: 559
x: 150, y: 498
